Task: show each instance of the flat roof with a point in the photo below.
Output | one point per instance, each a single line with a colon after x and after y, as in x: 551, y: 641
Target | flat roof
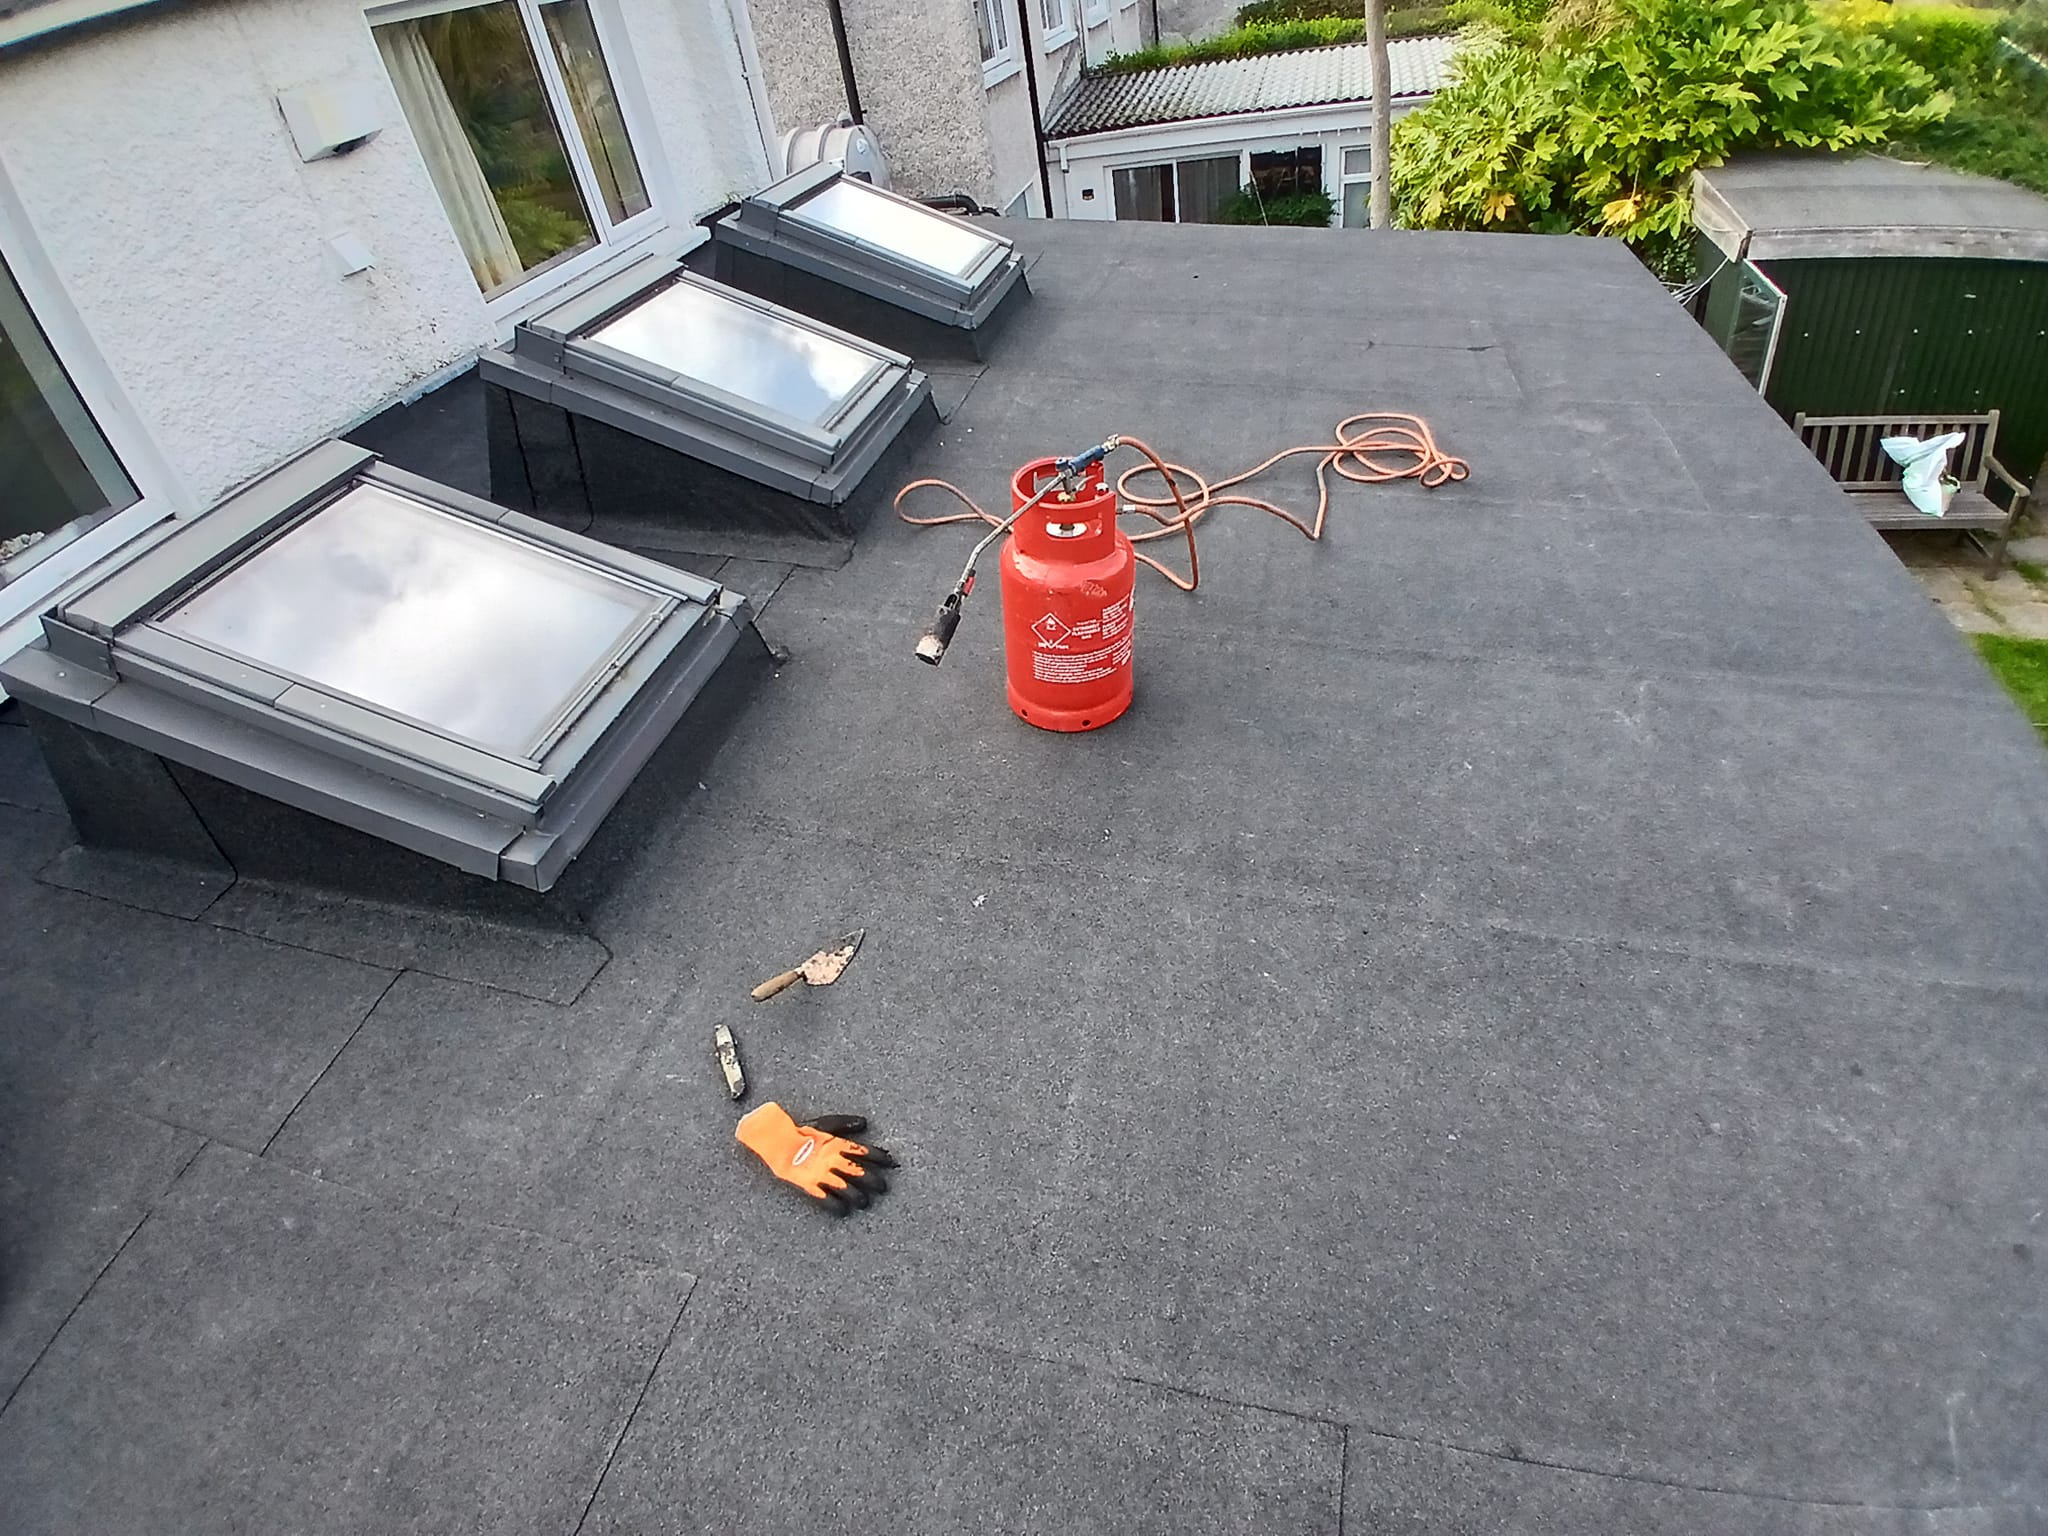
x: 1531, y: 1021
x: 1803, y: 206
x: 1269, y: 82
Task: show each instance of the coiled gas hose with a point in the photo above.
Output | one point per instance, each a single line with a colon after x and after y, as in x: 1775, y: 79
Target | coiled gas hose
x: 1372, y: 448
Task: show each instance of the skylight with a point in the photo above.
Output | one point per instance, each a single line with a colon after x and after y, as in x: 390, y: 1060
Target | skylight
x: 407, y: 608
x: 857, y: 256
x: 390, y: 655
x: 739, y: 348
x: 660, y: 395
x: 909, y: 230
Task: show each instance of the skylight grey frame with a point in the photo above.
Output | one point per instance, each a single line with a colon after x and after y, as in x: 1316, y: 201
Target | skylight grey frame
x: 153, y: 639
x: 771, y: 224
x: 792, y: 195
x: 816, y: 444
x: 109, y: 628
x: 552, y: 360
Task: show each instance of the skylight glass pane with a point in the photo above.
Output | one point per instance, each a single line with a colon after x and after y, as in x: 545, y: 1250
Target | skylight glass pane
x: 421, y: 613
x: 718, y: 341
x: 916, y: 234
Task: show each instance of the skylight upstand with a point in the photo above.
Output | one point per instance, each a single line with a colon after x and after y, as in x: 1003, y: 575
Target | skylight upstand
x: 661, y: 397
x: 873, y: 263
x: 382, y: 654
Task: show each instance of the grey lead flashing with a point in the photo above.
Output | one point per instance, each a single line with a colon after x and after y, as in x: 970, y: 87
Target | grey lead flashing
x: 37, y: 676
x: 771, y: 225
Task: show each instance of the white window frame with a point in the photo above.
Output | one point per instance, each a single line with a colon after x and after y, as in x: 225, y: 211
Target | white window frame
x: 162, y: 494
x: 1345, y: 180
x: 1171, y: 158
x: 508, y: 303
x: 1055, y: 35
x: 1095, y: 12
x: 1006, y: 60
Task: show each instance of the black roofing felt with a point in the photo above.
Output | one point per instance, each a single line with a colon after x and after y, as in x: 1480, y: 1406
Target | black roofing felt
x: 1535, y: 1021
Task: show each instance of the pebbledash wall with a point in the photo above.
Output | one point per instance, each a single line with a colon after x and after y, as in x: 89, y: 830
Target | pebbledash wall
x: 146, y: 171
x: 946, y: 121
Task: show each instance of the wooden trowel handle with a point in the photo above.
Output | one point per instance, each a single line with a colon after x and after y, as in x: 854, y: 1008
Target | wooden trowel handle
x: 775, y: 984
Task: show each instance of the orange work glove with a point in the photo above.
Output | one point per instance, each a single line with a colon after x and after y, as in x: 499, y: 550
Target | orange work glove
x: 817, y: 1158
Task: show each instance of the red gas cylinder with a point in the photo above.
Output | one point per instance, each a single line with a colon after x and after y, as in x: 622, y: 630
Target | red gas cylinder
x: 1068, y: 575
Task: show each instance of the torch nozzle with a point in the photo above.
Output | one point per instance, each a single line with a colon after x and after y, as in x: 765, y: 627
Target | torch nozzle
x: 931, y: 647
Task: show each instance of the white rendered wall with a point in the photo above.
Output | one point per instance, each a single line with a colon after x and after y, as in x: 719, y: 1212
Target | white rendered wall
x: 918, y: 68
x: 154, y: 169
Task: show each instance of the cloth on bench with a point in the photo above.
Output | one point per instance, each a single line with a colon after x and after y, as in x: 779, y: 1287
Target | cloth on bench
x: 1928, y: 484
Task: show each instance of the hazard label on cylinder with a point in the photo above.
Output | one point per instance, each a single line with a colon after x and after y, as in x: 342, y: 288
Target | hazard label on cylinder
x: 1057, y: 661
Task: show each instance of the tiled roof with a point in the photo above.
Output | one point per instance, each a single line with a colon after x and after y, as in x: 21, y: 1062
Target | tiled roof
x: 1304, y: 77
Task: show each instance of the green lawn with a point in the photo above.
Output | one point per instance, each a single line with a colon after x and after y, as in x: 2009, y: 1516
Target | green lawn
x: 2022, y: 665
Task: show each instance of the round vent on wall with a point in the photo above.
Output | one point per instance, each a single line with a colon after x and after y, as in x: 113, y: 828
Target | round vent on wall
x: 845, y: 143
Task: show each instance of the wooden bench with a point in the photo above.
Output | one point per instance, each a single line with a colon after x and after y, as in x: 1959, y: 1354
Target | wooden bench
x: 1848, y: 447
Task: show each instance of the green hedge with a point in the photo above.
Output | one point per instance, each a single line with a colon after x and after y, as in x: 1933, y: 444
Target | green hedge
x: 1260, y: 12
x: 1277, y: 37
x: 1998, y: 125
x: 2028, y: 27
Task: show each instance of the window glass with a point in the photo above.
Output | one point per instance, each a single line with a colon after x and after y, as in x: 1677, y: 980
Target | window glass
x: 573, y: 35
x: 55, y: 467
x: 1358, y: 160
x: 994, y: 28
x: 424, y: 614
x: 1357, y: 210
x: 1204, y: 186
x: 743, y: 351
x: 917, y: 234
x: 1284, y: 172
x: 1144, y: 192
x: 473, y: 97
x: 1055, y: 14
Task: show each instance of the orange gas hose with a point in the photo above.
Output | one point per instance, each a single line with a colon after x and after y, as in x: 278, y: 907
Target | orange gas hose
x: 1372, y: 448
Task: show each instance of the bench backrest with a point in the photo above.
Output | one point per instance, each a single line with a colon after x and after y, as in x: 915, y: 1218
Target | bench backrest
x: 1848, y: 446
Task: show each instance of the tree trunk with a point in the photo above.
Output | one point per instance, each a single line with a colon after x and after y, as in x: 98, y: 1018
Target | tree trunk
x: 1382, y: 112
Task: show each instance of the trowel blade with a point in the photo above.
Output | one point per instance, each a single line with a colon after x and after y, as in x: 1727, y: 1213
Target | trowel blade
x: 827, y: 965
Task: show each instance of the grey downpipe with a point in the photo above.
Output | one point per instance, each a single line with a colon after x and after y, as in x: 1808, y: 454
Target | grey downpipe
x: 853, y: 110
x: 1029, y: 49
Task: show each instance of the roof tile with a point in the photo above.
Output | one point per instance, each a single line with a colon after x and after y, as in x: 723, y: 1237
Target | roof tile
x: 1302, y: 77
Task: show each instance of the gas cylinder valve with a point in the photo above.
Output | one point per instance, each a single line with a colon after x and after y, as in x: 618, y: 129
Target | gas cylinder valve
x: 1071, y: 471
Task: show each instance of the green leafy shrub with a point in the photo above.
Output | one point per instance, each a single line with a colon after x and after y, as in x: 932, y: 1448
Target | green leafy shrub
x: 1311, y: 210
x: 1604, y: 138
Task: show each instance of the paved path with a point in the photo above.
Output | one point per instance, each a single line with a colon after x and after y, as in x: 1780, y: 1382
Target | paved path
x: 2014, y: 602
